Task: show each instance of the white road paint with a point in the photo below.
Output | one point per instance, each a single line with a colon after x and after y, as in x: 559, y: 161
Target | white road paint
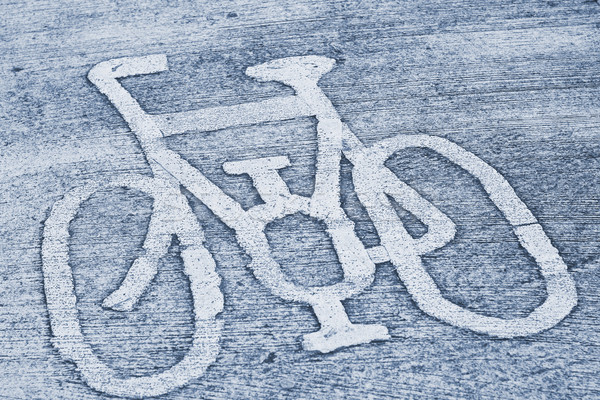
x: 373, y: 182
x: 171, y: 215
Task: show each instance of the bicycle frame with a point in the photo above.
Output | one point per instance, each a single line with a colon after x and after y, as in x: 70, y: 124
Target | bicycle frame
x: 373, y: 182
x: 369, y: 174
x: 301, y: 73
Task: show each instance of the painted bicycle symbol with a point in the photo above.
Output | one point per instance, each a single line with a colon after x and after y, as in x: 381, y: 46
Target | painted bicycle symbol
x: 373, y: 182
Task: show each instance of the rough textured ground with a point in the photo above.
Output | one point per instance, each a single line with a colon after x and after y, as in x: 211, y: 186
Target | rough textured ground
x: 514, y: 82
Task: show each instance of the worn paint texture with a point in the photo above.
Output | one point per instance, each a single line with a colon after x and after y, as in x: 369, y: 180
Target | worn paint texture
x: 444, y: 168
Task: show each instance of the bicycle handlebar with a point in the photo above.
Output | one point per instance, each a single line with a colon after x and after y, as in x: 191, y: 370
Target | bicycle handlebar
x: 128, y: 66
x: 301, y: 73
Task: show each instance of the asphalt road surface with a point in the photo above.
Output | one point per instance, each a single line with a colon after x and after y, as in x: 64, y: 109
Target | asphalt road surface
x: 515, y: 83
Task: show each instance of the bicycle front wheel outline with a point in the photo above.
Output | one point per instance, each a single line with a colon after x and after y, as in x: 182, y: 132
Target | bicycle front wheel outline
x: 61, y: 300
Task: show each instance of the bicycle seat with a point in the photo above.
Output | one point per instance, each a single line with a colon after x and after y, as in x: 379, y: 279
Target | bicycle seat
x: 290, y: 70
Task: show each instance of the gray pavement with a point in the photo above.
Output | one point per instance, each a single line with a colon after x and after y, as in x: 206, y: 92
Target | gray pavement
x: 515, y: 83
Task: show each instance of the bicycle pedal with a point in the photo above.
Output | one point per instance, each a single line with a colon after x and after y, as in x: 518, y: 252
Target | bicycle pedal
x: 327, y: 340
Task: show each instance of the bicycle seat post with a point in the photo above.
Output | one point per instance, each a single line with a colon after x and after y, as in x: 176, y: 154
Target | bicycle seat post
x: 303, y: 75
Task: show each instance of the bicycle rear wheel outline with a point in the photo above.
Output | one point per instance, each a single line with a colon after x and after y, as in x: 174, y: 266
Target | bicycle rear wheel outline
x: 561, y: 292
x: 199, y: 266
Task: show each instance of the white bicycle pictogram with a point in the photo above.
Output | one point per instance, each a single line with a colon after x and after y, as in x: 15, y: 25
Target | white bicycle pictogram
x: 373, y: 182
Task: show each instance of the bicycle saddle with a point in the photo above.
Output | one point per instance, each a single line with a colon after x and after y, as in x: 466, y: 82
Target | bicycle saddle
x: 292, y: 69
